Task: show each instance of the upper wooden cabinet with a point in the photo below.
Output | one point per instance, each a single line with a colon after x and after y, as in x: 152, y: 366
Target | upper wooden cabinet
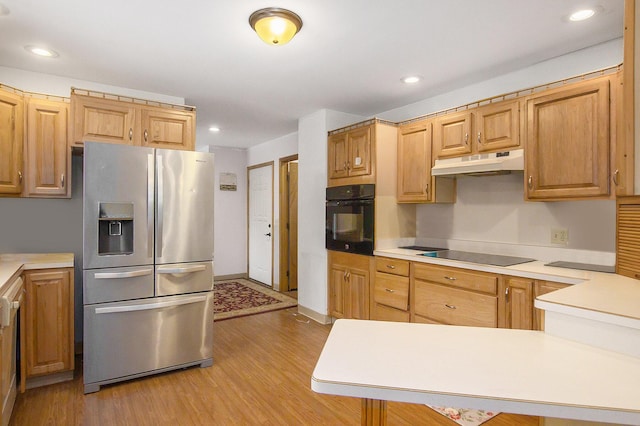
x: 415, y: 183
x: 11, y: 142
x: 488, y: 128
x: 98, y: 119
x: 414, y: 162
x: 567, y: 148
x: 48, y: 159
x: 351, y: 158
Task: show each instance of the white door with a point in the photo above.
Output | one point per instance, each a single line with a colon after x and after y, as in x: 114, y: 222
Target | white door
x: 261, y: 223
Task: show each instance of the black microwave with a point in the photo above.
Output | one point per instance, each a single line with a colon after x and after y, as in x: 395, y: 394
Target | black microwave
x: 349, y: 218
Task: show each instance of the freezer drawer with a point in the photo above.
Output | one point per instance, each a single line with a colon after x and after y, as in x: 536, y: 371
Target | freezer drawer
x: 181, y: 278
x: 123, y: 340
x: 115, y: 284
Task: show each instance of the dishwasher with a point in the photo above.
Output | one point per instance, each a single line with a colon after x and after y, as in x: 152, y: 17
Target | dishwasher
x: 10, y: 301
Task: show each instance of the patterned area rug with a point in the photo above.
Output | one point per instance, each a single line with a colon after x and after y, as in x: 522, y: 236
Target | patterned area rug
x: 240, y: 297
x: 465, y: 416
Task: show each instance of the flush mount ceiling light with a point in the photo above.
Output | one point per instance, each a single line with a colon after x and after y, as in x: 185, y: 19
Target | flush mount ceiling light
x: 214, y: 129
x: 581, y: 15
x: 41, y: 51
x: 274, y: 25
x: 412, y: 79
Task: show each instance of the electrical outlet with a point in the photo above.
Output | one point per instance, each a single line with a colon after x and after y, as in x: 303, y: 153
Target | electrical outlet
x: 559, y: 236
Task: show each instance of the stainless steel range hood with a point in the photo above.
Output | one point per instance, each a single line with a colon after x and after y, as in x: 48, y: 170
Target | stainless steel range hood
x: 480, y: 164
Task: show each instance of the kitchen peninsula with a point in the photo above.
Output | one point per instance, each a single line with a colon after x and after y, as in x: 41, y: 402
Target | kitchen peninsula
x: 564, y: 375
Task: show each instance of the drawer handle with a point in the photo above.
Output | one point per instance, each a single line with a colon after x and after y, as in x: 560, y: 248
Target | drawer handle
x: 450, y: 278
x: 391, y: 267
x: 450, y: 306
x: 388, y: 290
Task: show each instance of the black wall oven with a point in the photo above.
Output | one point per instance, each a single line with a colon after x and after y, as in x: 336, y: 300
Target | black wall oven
x: 349, y: 218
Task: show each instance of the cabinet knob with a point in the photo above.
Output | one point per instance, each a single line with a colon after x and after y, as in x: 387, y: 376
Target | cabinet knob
x: 466, y: 138
x: 426, y: 189
x: 450, y: 278
x: 391, y: 267
x: 615, y: 176
x: 479, y: 137
x: 20, y: 176
x: 344, y: 167
x: 388, y: 290
x: 530, y: 182
x: 146, y: 135
x: 62, y: 180
x: 450, y: 306
x: 131, y: 133
x: 348, y: 165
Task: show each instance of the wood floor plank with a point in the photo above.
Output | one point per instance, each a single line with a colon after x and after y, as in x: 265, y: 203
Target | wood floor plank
x: 261, y: 376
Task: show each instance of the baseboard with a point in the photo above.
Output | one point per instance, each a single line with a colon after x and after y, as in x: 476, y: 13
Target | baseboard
x: 317, y: 317
x: 36, y: 382
x: 230, y: 277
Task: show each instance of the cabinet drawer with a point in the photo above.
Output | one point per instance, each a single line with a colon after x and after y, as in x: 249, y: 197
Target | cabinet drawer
x: 385, y: 313
x: 391, y: 290
x: 453, y: 306
x: 477, y: 281
x: 392, y: 266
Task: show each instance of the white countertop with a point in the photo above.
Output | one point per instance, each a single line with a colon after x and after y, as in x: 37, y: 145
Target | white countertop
x: 12, y: 264
x: 515, y: 371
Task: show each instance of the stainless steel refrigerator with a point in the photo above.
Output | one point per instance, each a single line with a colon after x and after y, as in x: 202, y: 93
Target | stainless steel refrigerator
x: 147, y: 261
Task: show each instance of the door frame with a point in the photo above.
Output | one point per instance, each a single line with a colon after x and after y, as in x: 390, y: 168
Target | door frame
x: 249, y: 168
x: 283, y: 220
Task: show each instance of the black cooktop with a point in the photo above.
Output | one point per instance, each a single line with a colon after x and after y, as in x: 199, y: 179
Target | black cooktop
x: 480, y: 258
x: 422, y: 248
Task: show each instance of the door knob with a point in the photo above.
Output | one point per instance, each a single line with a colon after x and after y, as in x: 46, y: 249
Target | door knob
x: 268, y: 234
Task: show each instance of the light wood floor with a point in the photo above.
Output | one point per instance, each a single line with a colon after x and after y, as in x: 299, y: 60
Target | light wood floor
x: 261, y: 375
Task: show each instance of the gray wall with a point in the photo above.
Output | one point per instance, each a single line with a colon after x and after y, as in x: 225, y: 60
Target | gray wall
x: 38, y: 225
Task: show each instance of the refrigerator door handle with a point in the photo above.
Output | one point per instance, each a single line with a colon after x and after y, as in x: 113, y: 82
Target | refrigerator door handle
x: 160, y: 207
x: 150, y: 306
x: 150, y: 170
x: 181, y: 270
x: 128, y: 274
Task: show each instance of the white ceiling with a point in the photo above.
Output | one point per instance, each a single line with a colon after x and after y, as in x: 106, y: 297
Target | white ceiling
x: 349, y: 56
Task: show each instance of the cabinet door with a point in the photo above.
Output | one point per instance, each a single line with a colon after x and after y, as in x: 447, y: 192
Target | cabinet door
x: 567, y: 148
x: 337, y: 290
x: 103, y: 120
x: 519, y: 303
x: 11, y: 142
x: 163, y: 128
x: 338, y: 156
x: 49, y: 321
x: 48, y: 156
x: 414, y: 163
x: 359, y: 143
x: 452, y: 134
x: 498, y: 126
x: 358, y: 284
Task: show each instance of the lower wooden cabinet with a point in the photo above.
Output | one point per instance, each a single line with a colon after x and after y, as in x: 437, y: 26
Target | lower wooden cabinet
x: 49, y: 322
x: 453, y: 296
x: 519, y: 303
x: 390, y: 290
x: 349, y: 285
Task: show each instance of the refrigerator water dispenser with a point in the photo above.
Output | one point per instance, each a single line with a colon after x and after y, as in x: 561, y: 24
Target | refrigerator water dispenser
x: 115, y: 229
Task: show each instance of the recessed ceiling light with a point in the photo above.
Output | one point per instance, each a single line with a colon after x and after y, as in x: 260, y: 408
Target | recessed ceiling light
x: 214, y: 129
x: 412, y: 79
x: 41, y: 51
x: 581, y: 15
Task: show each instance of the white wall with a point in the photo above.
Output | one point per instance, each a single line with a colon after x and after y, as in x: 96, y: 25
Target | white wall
x: 61, y: 86
x: 312, y: 182
x: 230, y: 217
x: 266, y: 152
